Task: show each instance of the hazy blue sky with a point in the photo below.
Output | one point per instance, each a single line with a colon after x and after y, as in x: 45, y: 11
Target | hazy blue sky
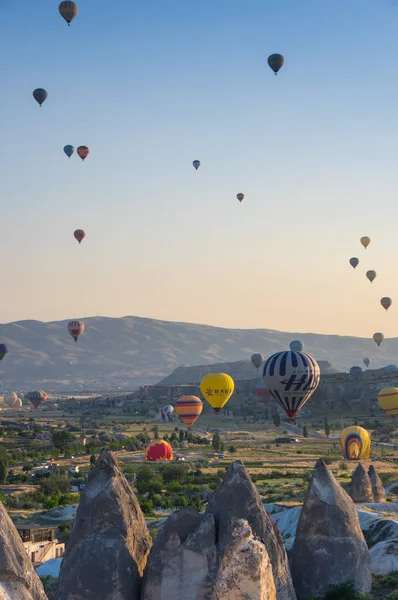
x: 150, y: 86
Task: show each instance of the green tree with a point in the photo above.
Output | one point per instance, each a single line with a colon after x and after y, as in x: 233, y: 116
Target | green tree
x: 3, y: 465
x: 56, y: 482
x: 232, y: 449
x: 216, y: 443
x: 181, y: 435
x: 305, y: 431
x: 156, y: 431
x: 93, y: 460
x: 276, y: 419
x: 327, y: 426
x: 62, y: 438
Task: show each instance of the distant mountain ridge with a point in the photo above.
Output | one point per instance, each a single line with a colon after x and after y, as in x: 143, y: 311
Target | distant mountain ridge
x: 130, y: 351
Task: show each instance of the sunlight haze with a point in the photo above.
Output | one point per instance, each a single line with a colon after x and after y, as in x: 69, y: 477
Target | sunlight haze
x: 154, y: 86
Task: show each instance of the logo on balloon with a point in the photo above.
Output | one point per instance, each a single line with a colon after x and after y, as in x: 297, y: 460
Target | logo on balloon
x: 209, y: 392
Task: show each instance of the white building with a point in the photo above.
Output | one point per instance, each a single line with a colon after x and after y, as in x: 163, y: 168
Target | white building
x: 40, y: 543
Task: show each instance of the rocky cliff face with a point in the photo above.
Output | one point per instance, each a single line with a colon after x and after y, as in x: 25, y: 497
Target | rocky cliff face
x: 361, y: 487
x: 379, y: 494
x: 329, y: 547
x: 109, y: 545
x: 18, y: 580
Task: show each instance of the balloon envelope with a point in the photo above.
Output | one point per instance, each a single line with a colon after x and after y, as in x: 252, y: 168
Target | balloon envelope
x: 355, y: 443
x: 40, y: 95
x: 292, y: 378
x: 378, y: 337
x: 83, y: 152
x: 355, y: 370
x: 68, y: 10
x: 296, y: 346
x: 11, y: 399
x: 69, y: 150
x: 240, y: 197
x: 36, y: 398
x: 365, y: 241
x: 217, y: 388
x: 367, y: 362
x: 188, y: 409
x: 354, y: 262
x: 276, y: 62
x: 167, y: 413
x: 75, y: 329
x: 386, y: 302
x: 79, y: 235
x: 3, y: 351
x: 159, y: 450
x: 371, y: 275
x: 388, y: 400
x: 262, y: 392
x: 196, y: 164
x: 257, y: 359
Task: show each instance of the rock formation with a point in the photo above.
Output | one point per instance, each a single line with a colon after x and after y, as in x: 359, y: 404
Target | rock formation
x: 237, y: 498
x: 384, y: 557
x: 379, y: 493
x: 329, y: 548
x: 361, y: 488
x: 183, y: 560
x: 18, y: 580
x: 108, y: 548
x: 245, y: 570
x: 234, y: 551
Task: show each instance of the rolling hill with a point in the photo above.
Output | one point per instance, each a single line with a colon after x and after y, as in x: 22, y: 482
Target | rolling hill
x: 130, y: 351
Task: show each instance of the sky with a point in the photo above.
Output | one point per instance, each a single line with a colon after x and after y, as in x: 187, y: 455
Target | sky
x: 151, y: 86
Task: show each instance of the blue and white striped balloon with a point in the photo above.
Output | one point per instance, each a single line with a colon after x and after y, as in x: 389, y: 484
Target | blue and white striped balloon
x: 291, y: 378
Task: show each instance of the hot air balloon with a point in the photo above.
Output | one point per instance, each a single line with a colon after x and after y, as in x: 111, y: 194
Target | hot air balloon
x: 69, y: 150
x: 296, y: 346
x: 355, y: 370
x: 76, y: 328
x: 159, y: 450
x: 11, y: 399
x: 18, y: 403
x: 240, y: 197
x: 257, y: 359
x: 217, y: 388
x: 354, y: 262
x: 167, y: 413
x: 355, y: 443
x: 188, y: 409
x: 83, y: 152
x: 79, y: 235
x: 68, y: 10
x: 367, y: 362
x: 388, y: 400
x: 378, y: 337
x: 386, y: 302
x: 262, y: 392
x: 196, y: 164
x: 3, y: 351
x: 40, y: 95
x: 276, y: 62
x: 371, y: 275
x: 365, y: 241
x: 292, y: 378
x: 36, y: 398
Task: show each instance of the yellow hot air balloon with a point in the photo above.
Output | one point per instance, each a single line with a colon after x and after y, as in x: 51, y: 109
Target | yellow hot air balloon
x: 365, y: 241
x: 378, y: 337
x: 355, y: 443
x: 388, y: 400
x: 217, y: 388
x: 188, y: 409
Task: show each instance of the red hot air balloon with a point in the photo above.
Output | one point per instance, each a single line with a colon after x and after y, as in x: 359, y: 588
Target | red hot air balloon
x: 79, y: 235
x: 83, y: 152
x: 76, y: 328
x: 158, y: 450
